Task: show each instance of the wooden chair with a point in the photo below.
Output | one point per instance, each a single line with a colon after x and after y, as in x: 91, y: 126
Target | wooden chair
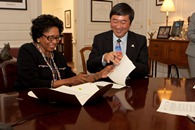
x: 84, y: 56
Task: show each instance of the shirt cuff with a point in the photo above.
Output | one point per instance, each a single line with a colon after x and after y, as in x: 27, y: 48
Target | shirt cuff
x: 103, y: 62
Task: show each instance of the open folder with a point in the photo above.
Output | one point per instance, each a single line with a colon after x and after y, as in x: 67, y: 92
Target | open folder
x: 76, y: 95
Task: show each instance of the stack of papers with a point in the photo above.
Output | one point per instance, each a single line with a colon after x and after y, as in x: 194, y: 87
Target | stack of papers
x: 177, y: 107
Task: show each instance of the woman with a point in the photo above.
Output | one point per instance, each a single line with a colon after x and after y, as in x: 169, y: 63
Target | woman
x: 40, y: 65
x: 191, y: 47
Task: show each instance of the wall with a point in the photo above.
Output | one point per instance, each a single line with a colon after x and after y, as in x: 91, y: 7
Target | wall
x: 58, y: 9
x: 15, y: 24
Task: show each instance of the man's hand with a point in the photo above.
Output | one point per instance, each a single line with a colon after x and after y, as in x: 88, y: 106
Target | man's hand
x: 113, y: 57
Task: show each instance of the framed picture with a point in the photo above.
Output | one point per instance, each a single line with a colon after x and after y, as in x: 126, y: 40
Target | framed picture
x: 100, y: 11
x: 159, y: 2
x: 176, y: 28
x: 67, y: 16
x: 13, y: 4
x: 163, y: 32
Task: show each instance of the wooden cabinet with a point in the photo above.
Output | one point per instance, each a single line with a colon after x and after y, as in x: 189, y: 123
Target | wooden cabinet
x: 170, y: 52
x: 65, y: 46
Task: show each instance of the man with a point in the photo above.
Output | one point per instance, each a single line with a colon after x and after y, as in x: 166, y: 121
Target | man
x: 191, y: 46
x: 133, y: 45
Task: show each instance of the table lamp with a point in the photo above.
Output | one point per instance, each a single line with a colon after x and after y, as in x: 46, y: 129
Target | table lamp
x: 167, y: 7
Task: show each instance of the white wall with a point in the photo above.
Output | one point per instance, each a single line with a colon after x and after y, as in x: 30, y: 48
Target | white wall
x: 15, y: 24
x: 58, y: 8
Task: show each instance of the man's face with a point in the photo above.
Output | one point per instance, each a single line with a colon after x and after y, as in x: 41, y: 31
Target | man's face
x: 120, y: 25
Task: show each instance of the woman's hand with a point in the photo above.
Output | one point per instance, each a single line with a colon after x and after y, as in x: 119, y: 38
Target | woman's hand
x: 79, y: 79
x: 104, y: 73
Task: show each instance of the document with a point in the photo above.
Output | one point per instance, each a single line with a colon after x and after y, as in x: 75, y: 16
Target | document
x: 80, y: 94
x: 121, y: 71
x: 83, y: 92
x: 177, y: 107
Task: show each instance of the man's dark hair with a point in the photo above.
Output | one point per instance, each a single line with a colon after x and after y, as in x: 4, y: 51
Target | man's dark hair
x: 123, y: 9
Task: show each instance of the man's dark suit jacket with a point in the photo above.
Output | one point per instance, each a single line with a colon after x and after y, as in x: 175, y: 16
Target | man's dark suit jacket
x: 137, y: 52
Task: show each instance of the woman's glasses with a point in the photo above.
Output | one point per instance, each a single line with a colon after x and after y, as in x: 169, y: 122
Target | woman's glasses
x: 51, y: 38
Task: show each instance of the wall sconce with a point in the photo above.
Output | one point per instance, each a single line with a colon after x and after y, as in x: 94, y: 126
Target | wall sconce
x: 167, y: 6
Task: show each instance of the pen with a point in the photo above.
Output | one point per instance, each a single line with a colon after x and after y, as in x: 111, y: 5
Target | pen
x: 191, y: 118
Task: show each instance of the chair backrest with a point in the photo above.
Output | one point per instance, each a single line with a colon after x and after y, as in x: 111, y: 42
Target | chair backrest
x: 84, y: 56
x: 9, y: 75
x: 8, y: 72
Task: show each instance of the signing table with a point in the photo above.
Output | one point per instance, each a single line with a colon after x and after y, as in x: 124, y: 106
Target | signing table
x: 130, y: 108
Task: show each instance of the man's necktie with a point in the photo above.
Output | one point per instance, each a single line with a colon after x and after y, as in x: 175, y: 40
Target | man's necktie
x: 118, y: 46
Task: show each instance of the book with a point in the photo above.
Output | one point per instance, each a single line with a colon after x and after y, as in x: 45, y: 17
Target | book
x: 76, y: 95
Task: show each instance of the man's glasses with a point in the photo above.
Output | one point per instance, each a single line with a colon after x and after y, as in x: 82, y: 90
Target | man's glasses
x: 51, y: 38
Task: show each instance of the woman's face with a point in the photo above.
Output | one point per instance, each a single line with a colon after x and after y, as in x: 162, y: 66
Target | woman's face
x: 50, y: 39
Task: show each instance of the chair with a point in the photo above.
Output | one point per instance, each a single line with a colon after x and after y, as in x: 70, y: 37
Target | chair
x: 84, y: 56
x: 8, y: 73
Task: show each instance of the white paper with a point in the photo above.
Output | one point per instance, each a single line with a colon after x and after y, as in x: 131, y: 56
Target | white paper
x: 82, y: 92
x: 104, y: 83
x: 177, y: 107
x: 194, y: 87
x: 122, y: 70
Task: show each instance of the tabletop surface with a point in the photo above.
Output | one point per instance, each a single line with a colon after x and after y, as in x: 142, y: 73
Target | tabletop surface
x: 131, y: 108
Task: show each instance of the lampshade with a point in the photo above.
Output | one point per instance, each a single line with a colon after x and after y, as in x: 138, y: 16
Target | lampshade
x: 168, y: 6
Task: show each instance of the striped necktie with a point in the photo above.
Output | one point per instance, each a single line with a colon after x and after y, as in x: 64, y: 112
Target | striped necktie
x: 118, y: 46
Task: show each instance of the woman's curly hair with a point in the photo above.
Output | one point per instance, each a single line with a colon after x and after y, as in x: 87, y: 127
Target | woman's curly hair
x: 43, y: 23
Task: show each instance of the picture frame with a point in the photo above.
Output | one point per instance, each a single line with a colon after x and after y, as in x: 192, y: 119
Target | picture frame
x: 67, y: 16
x: 13, y: 4
x: 177, y: 28
x: 100, y: 10
x: 163, y: 32
x: 159, y: 2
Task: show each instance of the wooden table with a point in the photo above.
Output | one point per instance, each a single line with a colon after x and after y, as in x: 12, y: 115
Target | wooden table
x: 108, y: 113
x: 170, y: 52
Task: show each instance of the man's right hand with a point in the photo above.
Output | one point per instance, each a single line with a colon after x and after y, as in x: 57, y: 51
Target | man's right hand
x: 113, y: 57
